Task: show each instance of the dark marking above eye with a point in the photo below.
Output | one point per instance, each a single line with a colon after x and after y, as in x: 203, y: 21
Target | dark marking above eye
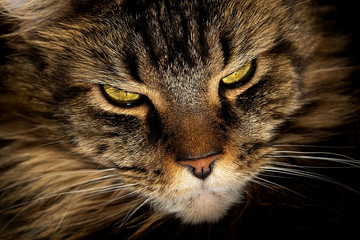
x: 133, y: 66
x: 201, y: 18
x: 225, y: 46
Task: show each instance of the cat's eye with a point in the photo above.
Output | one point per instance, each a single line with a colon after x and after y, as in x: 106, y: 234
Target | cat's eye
x: 120, y: 97
x: 241, y: 76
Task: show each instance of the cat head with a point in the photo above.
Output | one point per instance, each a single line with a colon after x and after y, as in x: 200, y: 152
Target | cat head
x: 184, y: 98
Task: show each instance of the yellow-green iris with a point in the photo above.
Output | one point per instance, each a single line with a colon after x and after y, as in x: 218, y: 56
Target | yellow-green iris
x: 121, y: 97
x: 238, y: 76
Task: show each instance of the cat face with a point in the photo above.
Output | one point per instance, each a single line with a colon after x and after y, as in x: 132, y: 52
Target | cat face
x: 185, y: 99
x: 191, y: 140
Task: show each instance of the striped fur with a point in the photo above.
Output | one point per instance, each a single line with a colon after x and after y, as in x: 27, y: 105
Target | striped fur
x: 73, y: 165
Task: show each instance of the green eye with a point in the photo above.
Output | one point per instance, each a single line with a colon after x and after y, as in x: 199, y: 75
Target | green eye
x: 120, y: 97
x: 239, y: 77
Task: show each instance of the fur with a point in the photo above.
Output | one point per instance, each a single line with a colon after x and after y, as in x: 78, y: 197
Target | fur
x: 73, y: 165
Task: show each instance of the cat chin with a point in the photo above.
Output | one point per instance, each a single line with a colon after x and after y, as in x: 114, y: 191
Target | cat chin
x: 206, y: 206
x: 202, y: 205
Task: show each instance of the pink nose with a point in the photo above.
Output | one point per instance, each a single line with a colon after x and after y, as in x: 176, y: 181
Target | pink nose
x: 200, y: 166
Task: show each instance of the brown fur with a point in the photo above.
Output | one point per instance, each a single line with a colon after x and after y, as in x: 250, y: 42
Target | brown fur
x: 74, y: 166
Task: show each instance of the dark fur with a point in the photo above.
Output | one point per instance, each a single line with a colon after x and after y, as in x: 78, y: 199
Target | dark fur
x: 75, y: 166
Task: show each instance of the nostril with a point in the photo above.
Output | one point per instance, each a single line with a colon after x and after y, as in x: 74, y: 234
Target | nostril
x: 200, y: 166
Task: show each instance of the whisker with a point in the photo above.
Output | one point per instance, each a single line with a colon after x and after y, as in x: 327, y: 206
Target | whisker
x: 66, y: 173
x: 96, y: 190
x: 264, y: 183
x: 249, y: 194
x: 55, y: 174
x: 336, y: 160
x: 280, y: 186
x: 306, y: 174
x: 309, y: 167
x: 295, y: 5
x: 299, y: 194
x: 322, y: 153
x: 54, y: 143
x: 19, y: 183
x: 63, y: 216
x: 122, y: 196
x: 21, y: 132
x: 132, y: 212
x: 315, y: 146
x: 332, y: 69
x: 92, y: 191
x: 30, y: 202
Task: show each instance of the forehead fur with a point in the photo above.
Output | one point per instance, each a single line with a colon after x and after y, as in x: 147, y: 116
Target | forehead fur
x: 178, y: 44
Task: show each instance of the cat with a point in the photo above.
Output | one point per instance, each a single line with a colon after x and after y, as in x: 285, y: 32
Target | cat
x: 176, y: 118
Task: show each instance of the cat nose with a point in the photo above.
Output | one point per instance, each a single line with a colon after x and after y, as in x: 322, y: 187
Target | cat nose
x: 200, y: 166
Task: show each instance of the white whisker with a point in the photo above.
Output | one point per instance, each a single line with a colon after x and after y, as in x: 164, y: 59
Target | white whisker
x: 306, y: 174
x: 132, y: 193
x: 63, y: 217
x: 345, y: 160
x: 96, y: 191
x: 315, y: 146
x: 19, y: 183
x: 332, y: 69
x: 249, y: 194
x: 54, y: 143
x: 309, y: 167
x: 132, y: 212
x: 277, y: 185
x: 92, y: 191
x: 86, y: 182
x: 43, y: 174
x: 324, y: 153
x: 21, y: 132
x: 263, y: 183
